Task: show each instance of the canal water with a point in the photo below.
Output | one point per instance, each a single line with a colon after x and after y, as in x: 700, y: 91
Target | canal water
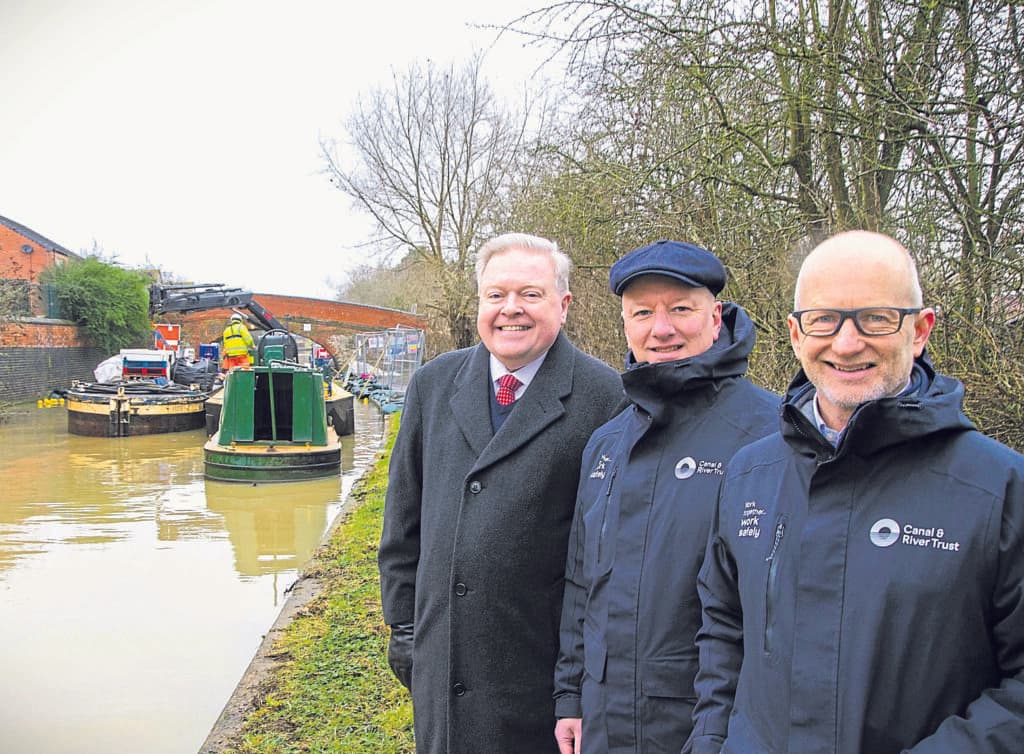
x: 133, y: 592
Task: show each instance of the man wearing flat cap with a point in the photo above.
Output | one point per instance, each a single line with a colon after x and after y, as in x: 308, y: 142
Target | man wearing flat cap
x: 648, y: 485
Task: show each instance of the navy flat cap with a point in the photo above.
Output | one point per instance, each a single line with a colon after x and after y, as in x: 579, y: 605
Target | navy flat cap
x: 685, y: 262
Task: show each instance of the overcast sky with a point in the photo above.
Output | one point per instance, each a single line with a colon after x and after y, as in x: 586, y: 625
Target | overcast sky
x: 184, y: 133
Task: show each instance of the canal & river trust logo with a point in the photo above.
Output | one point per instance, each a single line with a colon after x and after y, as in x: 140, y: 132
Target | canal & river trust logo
x: 886, y: 532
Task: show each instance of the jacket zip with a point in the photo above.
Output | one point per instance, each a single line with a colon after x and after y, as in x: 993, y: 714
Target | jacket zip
x: 769, y: 597
x: 604, y: 513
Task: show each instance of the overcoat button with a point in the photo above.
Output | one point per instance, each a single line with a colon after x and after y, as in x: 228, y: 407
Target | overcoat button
x: 460, y: 589
x: 459, y: 689
x: 475, y: 487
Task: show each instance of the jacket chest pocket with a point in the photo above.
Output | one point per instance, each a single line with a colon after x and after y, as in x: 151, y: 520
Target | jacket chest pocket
x: 600, y: 522
x: 771, y: 590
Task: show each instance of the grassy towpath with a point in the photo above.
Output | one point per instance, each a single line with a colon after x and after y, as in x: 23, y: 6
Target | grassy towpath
x: 330, y: 689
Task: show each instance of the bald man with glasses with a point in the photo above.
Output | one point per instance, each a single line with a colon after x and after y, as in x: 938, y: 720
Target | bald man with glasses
x: 862, y: 589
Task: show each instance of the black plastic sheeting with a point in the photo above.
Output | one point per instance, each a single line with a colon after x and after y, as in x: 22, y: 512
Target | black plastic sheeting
x: 202, y: 373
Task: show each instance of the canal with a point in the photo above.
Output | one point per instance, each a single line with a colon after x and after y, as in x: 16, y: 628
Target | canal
x: 134, y: 593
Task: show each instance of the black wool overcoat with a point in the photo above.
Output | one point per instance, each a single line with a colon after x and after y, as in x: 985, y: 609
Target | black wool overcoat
x: 473, y: 550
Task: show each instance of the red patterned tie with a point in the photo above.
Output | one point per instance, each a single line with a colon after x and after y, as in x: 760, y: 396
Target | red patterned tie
x: 507, y: 385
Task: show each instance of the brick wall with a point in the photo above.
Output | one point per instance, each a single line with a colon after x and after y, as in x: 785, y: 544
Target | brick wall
x: 38, y: 356
x: 40, y: 332
x: 27, y: 374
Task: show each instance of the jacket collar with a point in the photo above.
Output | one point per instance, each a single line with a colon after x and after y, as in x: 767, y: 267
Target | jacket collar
x: 935, y: 406
x: 655, y: 387
x: 536, y: 409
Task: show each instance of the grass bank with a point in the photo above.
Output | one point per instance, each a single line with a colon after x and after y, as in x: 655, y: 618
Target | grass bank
x: 331, y: 689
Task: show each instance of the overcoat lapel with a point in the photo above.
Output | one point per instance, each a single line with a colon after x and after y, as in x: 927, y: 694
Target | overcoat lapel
x: 540, y: 406
x: 470, y: 404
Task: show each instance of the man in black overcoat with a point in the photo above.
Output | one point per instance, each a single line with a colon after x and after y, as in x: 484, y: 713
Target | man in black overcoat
x: 480, y: 500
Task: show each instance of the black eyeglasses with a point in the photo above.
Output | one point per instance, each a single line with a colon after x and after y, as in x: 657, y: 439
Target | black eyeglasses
x: 870, y: 321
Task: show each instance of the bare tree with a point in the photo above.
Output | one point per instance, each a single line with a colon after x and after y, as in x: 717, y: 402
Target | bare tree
x: 433, y: 159
x: 756, y: 127
x: 804, y: 104
x: 970, y: 158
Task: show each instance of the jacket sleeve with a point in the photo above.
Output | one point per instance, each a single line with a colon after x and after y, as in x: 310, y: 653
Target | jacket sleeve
x: 719, y: 644
x: 399, y: 553
x: 994, y: 722
x: 569, y: 667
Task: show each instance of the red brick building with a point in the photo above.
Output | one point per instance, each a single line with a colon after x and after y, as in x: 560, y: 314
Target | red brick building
x: 24, y: 254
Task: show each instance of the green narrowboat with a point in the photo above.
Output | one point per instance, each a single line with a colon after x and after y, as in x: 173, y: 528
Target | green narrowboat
x: 273, y: 427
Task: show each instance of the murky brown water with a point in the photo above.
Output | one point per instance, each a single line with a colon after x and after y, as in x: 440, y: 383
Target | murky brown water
x: 133, y: 593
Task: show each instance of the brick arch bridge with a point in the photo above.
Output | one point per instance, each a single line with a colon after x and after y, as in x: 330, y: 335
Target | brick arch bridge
x: 38, y: 355
x: 332, y: 323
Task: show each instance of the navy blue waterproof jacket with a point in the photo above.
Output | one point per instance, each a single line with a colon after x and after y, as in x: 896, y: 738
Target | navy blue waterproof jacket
x: 648, y: 485
x: 869, y: 598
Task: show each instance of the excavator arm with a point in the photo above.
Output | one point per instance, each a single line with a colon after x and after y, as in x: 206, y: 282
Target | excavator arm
x: 183, y: 299
x: 164, y: 299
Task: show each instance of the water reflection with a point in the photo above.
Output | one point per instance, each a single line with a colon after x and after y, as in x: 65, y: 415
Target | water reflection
x: 134, y: 592
x: 61, y: 488
x: 271, y: 532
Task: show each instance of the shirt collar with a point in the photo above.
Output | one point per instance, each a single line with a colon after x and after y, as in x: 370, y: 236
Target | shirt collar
x: 524, y: 374
x: 831, y: 435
